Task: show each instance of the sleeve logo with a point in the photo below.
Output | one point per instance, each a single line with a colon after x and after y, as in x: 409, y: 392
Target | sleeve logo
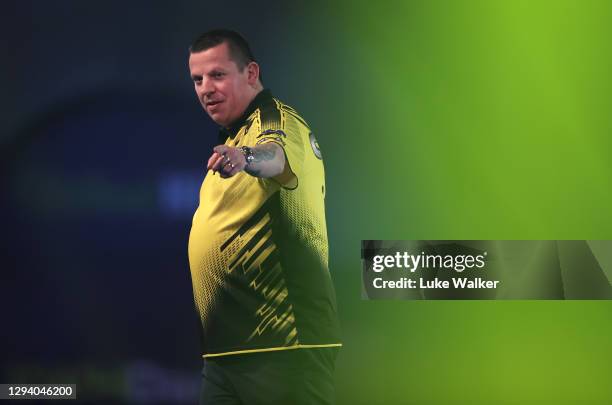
x: 315, y: 146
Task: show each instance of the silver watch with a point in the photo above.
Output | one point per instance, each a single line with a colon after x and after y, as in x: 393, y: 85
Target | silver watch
x: 248, y: 154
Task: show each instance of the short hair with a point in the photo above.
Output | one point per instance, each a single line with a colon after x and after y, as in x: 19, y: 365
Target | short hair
x: 239, y: 49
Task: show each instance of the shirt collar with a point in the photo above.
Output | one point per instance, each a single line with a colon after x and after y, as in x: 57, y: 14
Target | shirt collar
x: 260, y: 99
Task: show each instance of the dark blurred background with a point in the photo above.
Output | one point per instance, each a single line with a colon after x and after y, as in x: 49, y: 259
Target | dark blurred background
x: 103, y: 147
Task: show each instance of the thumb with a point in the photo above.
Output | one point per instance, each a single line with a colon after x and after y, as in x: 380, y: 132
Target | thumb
x: 221, y: 149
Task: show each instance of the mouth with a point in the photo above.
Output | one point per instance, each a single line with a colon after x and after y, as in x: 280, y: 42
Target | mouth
x: 213, y: 103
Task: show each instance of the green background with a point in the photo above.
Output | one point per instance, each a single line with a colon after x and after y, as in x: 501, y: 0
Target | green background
x: 437, y: 119
x: 462, y: 120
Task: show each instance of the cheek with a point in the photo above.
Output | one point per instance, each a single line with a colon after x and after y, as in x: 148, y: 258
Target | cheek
x: 231, y: 97
x: 238, y: 99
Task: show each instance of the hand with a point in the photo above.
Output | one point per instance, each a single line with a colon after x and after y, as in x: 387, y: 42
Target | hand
x: 226, y: 160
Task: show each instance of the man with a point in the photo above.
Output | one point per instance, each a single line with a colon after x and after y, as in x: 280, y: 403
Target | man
x: 258, y: 243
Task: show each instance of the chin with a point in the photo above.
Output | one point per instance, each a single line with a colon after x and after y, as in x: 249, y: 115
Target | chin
x: 218, y: 120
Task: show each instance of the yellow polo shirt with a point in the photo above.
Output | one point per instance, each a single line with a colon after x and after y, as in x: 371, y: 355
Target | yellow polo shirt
x: 258, y: 250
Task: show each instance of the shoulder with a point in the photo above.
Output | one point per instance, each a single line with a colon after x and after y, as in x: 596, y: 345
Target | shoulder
x: 291, y: 113
x: 274, y: 114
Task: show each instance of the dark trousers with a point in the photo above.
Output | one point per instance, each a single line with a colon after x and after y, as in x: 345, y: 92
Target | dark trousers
x: 297, y: 376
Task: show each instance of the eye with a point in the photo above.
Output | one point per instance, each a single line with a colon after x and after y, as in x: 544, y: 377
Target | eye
x: 217, y: 75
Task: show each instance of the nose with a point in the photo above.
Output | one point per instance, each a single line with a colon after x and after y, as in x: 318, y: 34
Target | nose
x: 207, y: 87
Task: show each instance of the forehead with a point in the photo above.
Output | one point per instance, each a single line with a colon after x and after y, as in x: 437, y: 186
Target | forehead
x: 217, y: 57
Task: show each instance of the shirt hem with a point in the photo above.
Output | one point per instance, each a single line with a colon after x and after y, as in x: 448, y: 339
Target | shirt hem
x: 270, y: 349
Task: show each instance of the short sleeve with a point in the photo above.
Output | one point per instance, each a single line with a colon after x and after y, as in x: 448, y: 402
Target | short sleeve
x: 290, y: 140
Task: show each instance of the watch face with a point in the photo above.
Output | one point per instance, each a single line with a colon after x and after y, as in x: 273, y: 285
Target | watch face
x: 248, y: 154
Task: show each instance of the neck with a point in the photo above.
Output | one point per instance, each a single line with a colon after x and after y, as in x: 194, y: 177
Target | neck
x: 255, y: 90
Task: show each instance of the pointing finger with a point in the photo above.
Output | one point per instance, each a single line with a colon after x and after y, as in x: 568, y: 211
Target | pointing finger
x: 217, y: 163
x: 212, y: 160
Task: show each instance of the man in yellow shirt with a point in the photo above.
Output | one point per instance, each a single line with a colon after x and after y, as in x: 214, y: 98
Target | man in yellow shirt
x: 258, y: 248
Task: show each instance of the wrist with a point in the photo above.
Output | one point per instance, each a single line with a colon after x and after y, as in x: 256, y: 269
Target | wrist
x: 248, y: 155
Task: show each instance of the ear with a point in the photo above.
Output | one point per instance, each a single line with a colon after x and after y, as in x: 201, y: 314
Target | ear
x: 252, y: 73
